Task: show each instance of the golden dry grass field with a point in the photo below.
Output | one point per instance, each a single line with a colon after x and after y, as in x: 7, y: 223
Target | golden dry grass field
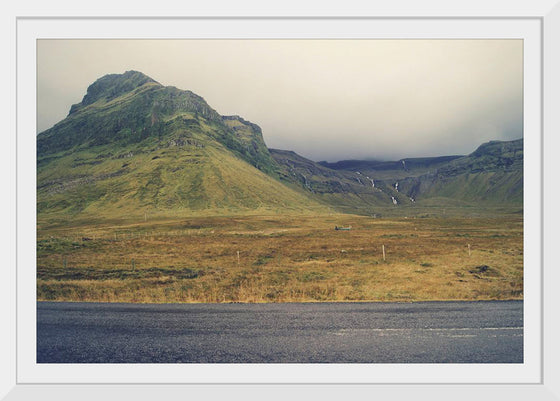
x: 282, y: 259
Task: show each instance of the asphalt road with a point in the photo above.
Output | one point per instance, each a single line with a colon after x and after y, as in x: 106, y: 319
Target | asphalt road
x: 424, y: 332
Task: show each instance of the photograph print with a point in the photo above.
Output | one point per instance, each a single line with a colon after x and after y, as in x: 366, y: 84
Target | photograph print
x: 279, y: 201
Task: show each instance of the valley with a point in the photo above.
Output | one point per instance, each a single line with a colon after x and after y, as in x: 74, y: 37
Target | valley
x: 298, y: 258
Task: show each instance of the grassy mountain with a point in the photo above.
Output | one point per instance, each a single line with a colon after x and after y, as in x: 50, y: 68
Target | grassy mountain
x: 133, y: 146
x: 127, y: 109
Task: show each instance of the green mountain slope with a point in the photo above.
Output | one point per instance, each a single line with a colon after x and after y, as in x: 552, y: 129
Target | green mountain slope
x: 126, y: 109
x: 492, y: 174
x: 133, y: 146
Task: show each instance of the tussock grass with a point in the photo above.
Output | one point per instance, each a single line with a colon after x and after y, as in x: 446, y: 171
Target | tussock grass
x: 281, y: 259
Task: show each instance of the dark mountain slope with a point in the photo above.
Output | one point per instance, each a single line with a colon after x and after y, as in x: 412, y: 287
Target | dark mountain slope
x: 347, y: 191
x: 491, y: 175
x: 393, y: 169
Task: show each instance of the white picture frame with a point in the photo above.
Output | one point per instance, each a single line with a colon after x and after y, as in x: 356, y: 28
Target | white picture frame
x: 548, y: 15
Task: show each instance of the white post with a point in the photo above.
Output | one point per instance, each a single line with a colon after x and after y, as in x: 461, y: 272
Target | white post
x: 383, y: 247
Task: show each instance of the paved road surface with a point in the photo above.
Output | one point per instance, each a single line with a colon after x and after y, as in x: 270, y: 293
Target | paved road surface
x: 425, y: 332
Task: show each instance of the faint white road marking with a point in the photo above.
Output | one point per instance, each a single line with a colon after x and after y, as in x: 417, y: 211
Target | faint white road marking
x: 342, y: 332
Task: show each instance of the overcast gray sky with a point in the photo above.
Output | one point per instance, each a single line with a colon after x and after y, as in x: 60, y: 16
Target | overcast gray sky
x: 324, y: 99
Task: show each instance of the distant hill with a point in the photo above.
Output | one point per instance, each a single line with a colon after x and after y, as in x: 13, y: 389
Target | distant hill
x: 347, y: 191
x: 133, y: 146
x: 491, y: 175
x: 405, y: 166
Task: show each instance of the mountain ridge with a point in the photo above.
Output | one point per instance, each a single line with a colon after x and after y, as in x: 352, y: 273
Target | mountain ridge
x: 135, y: 145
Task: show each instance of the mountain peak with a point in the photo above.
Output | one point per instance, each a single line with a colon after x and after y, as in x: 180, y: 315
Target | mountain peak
x: 131, y: 109
x: 499, y: 148
x: 111, y: 86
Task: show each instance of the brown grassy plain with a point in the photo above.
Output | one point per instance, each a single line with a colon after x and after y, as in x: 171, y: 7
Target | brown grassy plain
x: 282, y: 259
